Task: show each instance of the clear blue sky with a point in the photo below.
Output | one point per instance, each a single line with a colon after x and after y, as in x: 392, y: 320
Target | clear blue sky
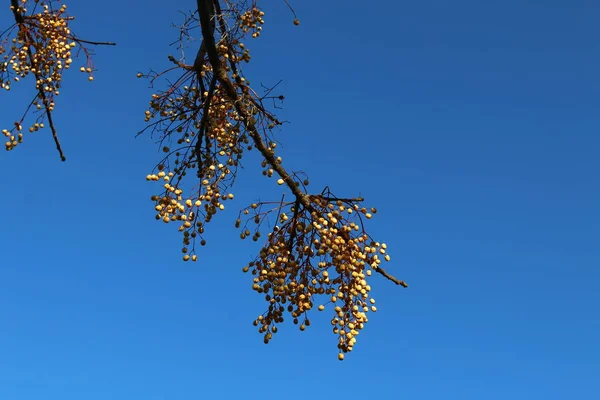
x: 473, y: 127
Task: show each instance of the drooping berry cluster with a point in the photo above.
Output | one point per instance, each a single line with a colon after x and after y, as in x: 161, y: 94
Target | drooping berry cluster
x: 200, y: 130
x: 42, y: 46
x: 319, y: 253
x: 252, y: 21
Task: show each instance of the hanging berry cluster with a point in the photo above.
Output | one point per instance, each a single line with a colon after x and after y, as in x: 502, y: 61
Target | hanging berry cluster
x: 40, y: 44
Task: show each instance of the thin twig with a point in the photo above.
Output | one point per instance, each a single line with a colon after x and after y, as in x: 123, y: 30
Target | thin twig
x: 93, y: 43
x: 390, y: 277
x: 291, y: 9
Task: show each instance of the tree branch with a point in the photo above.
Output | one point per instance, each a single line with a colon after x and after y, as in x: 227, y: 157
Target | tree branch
x: 206, y: 11
x: 14, y: 4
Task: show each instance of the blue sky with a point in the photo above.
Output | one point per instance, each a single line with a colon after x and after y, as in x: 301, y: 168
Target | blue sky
x: 471, y: 125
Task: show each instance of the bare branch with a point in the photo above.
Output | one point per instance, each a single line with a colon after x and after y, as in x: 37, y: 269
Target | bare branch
x: 390, y: 277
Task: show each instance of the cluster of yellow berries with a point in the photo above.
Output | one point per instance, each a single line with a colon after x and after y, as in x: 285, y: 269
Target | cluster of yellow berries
x: 320, y: 252
x: 237, y: 53
x: 42, y: 46
x: 251, y: 21
x: 208, y: 143
x: 192, y: 213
